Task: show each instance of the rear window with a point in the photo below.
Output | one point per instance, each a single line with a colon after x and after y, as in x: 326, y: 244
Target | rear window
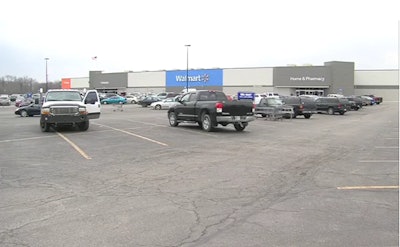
x: 212, y: 96
x: 292, y: 100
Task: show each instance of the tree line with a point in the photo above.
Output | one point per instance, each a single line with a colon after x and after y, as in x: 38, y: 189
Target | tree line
x: 22, y: 85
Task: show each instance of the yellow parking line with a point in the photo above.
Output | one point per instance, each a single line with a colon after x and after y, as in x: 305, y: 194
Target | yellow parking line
x: 78, y: 149
x: 368, y: 187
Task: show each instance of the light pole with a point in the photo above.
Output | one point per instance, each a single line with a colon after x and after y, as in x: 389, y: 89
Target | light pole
x: 47, y: 78
x: 187, y: 68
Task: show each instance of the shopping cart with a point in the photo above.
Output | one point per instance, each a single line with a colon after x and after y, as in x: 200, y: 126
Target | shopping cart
x: 118, y: 107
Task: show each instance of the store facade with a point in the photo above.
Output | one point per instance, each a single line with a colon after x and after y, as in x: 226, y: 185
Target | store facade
x: 332, y: 77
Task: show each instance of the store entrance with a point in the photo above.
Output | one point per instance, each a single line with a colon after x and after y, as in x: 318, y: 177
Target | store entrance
x: 309, y: 91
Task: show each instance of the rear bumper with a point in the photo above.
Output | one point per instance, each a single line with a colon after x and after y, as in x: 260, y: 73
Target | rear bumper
x: 235, y: 119
x: 309, y: 112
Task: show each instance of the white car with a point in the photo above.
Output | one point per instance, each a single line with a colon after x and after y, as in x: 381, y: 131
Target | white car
x: 131, y: 99
x: 5, y: 100
x: 164, y: 104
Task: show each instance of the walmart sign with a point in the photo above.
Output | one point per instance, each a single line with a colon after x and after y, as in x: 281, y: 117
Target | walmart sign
x: 196, y: 78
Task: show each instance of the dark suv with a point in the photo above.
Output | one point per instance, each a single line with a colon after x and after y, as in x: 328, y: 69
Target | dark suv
x: 301, y: 106
x: 330, y: 105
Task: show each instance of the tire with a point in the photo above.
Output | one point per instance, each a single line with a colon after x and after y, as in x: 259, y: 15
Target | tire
x: 307, y: 115
x: 157, y: 107
x: 104, y: 103
x: 239, y: 127
x: 83, y: 126
x: 45, y: 127
x: 23, y: 113
x: 206, y: 122
x: 330, y: 111
x: 341, y: 113
x: 173, y: 121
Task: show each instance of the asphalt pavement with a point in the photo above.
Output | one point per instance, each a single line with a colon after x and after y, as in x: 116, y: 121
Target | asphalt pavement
x: 133, y: 180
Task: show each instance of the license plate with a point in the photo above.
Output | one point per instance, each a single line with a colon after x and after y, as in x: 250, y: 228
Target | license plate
x: 236, y: 117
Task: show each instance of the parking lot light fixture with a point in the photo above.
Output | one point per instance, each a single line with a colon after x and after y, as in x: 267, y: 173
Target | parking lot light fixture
x: 187, y: 67
x: 47, y: 77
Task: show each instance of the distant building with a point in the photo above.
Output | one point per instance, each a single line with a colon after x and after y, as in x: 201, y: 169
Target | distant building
x: 331, y: 78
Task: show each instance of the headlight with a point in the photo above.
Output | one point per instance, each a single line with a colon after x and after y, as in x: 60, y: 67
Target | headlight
x: 82, y: 110
x: 45, y: 111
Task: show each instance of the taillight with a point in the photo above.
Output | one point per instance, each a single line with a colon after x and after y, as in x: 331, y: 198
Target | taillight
x: 301, y: 107
x: 219, y: 106
x: 340, y: 106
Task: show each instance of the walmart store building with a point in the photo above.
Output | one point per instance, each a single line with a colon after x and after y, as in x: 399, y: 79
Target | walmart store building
x: 332, y: 77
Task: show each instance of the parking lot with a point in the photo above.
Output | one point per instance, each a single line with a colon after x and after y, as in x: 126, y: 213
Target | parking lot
x: 132, y: 180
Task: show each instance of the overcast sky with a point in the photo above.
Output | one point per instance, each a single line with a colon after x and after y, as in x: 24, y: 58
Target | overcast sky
x: 152, y: 34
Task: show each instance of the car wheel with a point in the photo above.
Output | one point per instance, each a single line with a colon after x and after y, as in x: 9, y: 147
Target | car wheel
x: 45, y: 127
x: 173, y: 121
x: 83, y: 126
x: 239, y: 127
x: 341, y: 113
x: 206, y: 122
x: 23, y: 113
x: 105, y: 103
x: 157, y: 107
x: 307, y: 116
x: 330, y: 111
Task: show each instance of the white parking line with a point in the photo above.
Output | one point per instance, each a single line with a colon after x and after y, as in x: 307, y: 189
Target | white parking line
x: 132, y: 134
x: 387, y: 147
x: 26, y: 139
x: 167, y: 126
x: 378, y: 161
x: 368, y: 187
x: 78, y: 149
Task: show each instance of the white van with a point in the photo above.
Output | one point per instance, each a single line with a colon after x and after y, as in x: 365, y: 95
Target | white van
x: 258, y: 97
x: 272, y: 95
x: 188, y: 90
x: 335, y: 95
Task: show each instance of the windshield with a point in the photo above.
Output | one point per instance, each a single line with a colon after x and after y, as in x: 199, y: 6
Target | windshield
x: 273, y: 101
x: 63, y: 96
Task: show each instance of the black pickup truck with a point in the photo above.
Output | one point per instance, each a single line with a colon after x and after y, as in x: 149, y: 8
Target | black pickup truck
x: 301, y: 106
x: 210, y: 108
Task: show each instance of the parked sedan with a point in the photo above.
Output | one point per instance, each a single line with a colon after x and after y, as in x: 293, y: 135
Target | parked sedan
x: 28, y: 110
x: 145, y: 102
x: 114, y: 100
x: 131, y: 99
x: 163, y: 104
x: 4, y: 100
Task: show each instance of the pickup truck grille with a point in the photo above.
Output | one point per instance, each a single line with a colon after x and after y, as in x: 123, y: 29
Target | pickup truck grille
x: 60, y: 110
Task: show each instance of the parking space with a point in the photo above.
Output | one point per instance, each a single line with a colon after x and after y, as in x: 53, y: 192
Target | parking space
x: 132, y: 180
